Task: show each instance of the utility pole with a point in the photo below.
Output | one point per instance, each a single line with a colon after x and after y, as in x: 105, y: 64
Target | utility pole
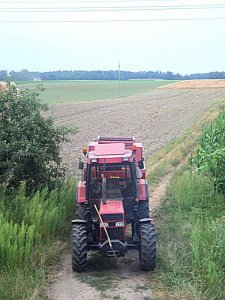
x: 119, y: 79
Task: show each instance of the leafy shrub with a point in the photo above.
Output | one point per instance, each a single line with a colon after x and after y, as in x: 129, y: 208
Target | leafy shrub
x: 29, y: 142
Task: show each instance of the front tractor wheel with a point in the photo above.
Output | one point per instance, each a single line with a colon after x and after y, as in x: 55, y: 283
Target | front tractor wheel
x: 79, y: 247
x: 147, y: 252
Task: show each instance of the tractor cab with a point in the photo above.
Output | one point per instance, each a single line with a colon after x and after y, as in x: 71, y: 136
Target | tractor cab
x: 112, y: 194
x: 111, y: 181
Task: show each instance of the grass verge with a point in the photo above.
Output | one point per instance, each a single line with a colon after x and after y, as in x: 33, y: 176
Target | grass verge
x: 190, y: 224
x: 192, y: 235
x: 32, y: 230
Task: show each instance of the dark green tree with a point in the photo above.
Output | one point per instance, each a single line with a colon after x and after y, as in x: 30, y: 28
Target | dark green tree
x: 29, y: 142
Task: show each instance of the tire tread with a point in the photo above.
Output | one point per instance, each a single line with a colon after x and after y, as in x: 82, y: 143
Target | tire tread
x: 79, y: 248
x: 148, y: 247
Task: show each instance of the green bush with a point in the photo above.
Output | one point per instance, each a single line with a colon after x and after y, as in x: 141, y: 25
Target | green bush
x: 29, y: 142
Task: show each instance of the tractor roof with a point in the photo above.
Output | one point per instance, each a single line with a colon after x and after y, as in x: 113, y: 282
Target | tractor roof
x: 110, y: 149
x: 109, y: 153
x: 113, y: 150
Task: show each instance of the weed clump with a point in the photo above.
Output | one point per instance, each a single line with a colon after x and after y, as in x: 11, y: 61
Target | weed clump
x: 30, y: 228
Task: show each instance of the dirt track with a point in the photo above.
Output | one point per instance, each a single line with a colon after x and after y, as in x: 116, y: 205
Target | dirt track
x: 154, y: 118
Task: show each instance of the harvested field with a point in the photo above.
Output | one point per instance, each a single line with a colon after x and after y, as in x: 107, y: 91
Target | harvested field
x: 155, y: 118
x: 196, y: 84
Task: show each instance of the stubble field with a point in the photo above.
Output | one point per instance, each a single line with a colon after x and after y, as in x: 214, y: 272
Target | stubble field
x: 155, y: 118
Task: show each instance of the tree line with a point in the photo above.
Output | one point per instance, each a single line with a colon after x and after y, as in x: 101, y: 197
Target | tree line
x: 25, y: 75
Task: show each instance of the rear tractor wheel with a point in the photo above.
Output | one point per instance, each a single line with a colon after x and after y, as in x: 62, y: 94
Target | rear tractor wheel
x: 80, y: 211
x: 147, y: 252
x: 79, y: 248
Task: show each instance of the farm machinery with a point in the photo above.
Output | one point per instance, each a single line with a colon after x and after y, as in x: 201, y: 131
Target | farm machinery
x: 112, y: 209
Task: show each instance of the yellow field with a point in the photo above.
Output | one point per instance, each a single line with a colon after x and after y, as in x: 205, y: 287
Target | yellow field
x: 196, y: 84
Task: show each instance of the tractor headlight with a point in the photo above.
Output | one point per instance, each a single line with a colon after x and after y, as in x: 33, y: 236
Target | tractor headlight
x: 119, y: 224
x: 126, y: 158
x: 93, y: 160
x: 106, y: 224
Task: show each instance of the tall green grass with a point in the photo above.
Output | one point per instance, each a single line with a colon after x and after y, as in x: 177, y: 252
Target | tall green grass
x: 192, y: 236
x: 30, y: 228
x: 210, y: 156
x: 191, y: 219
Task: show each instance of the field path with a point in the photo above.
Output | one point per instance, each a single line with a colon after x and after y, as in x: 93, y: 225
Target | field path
x: 126, y: 280
x: 154, y: 118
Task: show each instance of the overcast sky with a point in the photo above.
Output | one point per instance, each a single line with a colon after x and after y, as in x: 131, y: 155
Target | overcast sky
x: 179, y: 46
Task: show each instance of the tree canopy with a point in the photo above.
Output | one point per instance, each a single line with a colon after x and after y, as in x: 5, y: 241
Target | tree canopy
x: 25, y: 75
x: 29, y: 142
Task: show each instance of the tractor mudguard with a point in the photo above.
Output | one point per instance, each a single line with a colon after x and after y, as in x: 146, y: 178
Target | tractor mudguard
x: 79, y: 222
x: 81, y: 192
x: 143, y: 190
x: 145, y: 220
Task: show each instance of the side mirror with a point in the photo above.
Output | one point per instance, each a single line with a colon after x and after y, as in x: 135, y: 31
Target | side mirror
x: 141, y: 164
x: 81, y: 165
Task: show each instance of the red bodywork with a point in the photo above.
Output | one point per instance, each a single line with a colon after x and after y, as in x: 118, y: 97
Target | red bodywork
x: 112, y: 208
x: 113, y: 151
x: 112, y: 213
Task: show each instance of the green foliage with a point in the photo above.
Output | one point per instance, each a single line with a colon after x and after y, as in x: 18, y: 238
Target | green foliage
x: 21, y: 284
x: 25, y: 75
x: 193, y: 237
x: 29, y: 142
x: 30, y: 228
x: 109, y: 75
x: 29, y: 224
x: 210, y: 156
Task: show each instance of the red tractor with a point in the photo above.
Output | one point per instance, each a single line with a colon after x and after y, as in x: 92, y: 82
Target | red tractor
x: 112, y: 210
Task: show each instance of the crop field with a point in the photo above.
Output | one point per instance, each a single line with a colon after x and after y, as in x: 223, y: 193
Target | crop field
x: 197, y: 84
x: 73, y: 91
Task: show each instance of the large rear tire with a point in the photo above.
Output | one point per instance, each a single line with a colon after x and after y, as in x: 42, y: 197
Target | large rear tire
x: 80, y: 211
x: 143, y: 209
x: 147, y: 252
x: 79, y: 247
x: 143, y: 213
